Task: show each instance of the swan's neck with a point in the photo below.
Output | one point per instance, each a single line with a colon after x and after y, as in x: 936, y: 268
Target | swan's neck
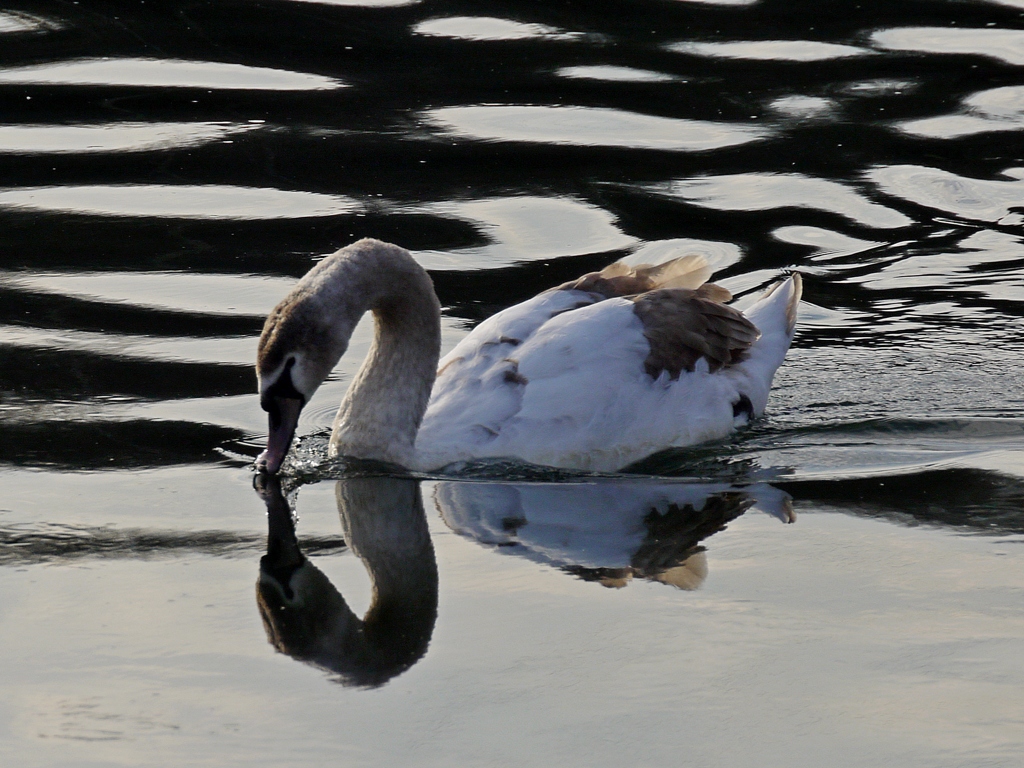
x: 381, y: 412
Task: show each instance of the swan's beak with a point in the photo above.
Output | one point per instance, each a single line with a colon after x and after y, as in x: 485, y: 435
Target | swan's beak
x: 283, y: 418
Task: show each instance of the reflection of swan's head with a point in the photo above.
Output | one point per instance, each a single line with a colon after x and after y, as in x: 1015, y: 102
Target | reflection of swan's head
x: 605, y: 532
x: 307, y: 618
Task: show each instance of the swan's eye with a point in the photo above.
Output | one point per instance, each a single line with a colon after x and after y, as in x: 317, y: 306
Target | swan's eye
x: 283, y: 388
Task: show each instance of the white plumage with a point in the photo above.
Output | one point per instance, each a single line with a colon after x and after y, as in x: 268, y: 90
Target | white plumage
x: 587, y: 402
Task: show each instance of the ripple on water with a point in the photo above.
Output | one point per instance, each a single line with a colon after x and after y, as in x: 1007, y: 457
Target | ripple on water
x: 1003, y: 44
x: 974, y: 199
x: 360, y: 3
x: 721, y: 2
x: 804, y: 107
x: 613, y: 74
x: 770, y: 50
x: 175, y: 291
x: 748, y: 282
x: 167, y: 73
x: 13, y: 23
x: 211, y: 350
x: 973, y: 266
x: 877, y: 87
x: 24, y: 544
x: 113, y: 137
x: 185, y: 201
x: 487, y: 28
x: 997, y: 109
x: 526, y: 229
x: 828, y: 245
x: 886, y: 447
x: 768, y: 191
x: 814, y: 316
x: 589, y: 127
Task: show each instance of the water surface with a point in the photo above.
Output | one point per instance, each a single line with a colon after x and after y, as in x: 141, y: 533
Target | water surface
x: 839, y: 584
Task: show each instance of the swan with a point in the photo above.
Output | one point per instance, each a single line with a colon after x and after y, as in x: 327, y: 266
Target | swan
x: 595, y: 374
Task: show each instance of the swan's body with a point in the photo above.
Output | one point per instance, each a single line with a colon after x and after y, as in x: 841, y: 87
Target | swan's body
x: 595, y: 374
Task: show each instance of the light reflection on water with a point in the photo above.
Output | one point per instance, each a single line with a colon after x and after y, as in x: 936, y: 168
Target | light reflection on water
x: 527, y: 227
x: 804, y: 107
x: 179, y: 291
x: 207, y: 201
x: 14, y: 23
x: 997, y: 109
x: 771, y: 50
x: 360, y: 3
x: 1004, y: 44
x: 615, y: 74
x: 589, y: 126
x: 485, y: 28
x: 212, y: 351
x: 978, y: 199
x: 166, y: 73
x: 828, y: 244
x: 116, y: 137
x: 908, y: 615
x: 762, y: 191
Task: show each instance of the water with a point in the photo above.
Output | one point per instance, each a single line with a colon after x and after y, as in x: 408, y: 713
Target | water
x: 840, y: 584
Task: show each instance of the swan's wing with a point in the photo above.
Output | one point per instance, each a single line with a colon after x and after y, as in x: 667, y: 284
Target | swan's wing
x: 676, y: 305
x: 497, y: 336
x: 683, y: 326
x: 478, y: 387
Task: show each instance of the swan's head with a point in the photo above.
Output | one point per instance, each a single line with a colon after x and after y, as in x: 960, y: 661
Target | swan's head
x: 299, y: 346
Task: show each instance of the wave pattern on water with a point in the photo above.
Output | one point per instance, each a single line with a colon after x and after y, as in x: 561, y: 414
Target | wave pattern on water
x: 168, y: 171
x: 154, y: 208
x: 64, y: 544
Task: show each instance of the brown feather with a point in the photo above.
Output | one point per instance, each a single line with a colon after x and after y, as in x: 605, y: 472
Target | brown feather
x: 620, y: 279
x: 684, y: 317
x: 682, y: 326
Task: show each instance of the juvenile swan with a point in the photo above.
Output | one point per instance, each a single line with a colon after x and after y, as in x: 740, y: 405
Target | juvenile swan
x: 595, y: 374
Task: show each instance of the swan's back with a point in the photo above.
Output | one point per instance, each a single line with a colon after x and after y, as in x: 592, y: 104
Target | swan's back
x: 605, y: 370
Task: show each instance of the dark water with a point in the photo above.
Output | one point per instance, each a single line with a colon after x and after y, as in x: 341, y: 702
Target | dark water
x: 168, y: 169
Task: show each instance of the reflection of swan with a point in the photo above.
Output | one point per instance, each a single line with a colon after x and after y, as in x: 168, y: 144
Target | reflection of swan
x: 607, y: 532
x: 383, y: 522
x: 595, y: 374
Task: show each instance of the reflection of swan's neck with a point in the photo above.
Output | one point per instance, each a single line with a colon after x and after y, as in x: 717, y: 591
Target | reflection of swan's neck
x: 383, y: 522
x: 381, y: 413
x: 305, y: 616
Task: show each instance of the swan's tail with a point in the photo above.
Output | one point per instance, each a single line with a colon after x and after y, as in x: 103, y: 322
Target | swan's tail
x: 774, y: 314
